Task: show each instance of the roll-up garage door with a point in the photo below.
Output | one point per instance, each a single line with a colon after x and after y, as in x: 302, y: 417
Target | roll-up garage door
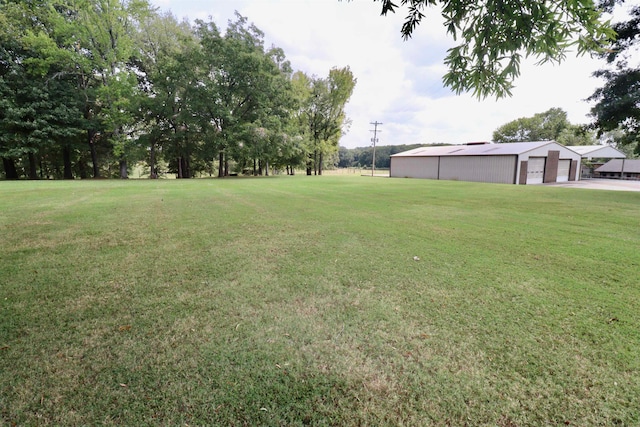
x: 535, y: 170
x: 563, y: 170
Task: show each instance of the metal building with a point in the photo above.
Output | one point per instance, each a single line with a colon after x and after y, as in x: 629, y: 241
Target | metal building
x: 589, y: 152
x: 593, y: 155
x: 620, y: 169
x: 512, y: 163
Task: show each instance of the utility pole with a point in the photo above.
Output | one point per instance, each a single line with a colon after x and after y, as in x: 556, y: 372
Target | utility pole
x: 374, y: 140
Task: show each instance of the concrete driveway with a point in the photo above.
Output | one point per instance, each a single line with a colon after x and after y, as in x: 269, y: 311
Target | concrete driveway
x: 601, y: 184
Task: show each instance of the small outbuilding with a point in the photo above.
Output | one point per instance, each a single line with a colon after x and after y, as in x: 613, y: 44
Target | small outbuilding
x: 510, y: 163
x: 594, y: 156
x: 619, y: 169
x: 590, y: 152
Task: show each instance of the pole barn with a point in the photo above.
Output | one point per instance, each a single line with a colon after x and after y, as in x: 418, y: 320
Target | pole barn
x: 512, y: 163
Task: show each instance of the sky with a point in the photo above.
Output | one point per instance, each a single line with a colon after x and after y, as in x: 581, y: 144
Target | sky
x: 399, y: 83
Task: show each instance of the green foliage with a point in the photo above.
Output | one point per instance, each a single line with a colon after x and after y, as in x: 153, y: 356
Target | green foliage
x: 618, y: 100
x: 363, y: 156
x: 251, y: 87
x: 162, y: 112
x: 105, y: 84
x: 551, y: 125
x: 576, y: 135
x: 323, y: 102
x: 106, y: 32
x: 494, y: 36
x: 40, y: 112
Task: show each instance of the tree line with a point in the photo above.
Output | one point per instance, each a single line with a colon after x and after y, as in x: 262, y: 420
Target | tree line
x: 89, y: 88
x: 550, y: 125
x: 362, y: 157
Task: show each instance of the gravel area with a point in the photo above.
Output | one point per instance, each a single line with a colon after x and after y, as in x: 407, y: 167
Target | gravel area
x: 602, y: 184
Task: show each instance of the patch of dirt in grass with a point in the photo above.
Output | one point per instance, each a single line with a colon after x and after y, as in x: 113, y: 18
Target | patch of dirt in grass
x: 305, y: 309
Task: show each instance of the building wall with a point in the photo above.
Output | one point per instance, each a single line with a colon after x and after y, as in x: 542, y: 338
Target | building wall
x: 573, y: 171
x: 506, y: 168
x: 522, y: 179
x: 498, y: 169
x: 551, y: 166
x: 545, y: 151
x: 604, y: 152
x: 415, y: 167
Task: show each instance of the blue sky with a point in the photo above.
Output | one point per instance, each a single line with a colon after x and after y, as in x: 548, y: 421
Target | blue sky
x: 399, y: 82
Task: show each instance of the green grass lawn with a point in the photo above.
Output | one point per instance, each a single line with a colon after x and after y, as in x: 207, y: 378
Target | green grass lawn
x: 298, y: 301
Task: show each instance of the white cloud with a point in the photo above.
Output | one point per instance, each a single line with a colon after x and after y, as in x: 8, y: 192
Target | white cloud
x: 399, y: 82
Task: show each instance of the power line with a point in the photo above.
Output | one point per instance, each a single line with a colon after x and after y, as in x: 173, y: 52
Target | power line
x: 374, y: 140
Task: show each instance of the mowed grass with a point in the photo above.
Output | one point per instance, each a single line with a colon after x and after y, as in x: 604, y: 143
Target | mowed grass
x: 298, y: 301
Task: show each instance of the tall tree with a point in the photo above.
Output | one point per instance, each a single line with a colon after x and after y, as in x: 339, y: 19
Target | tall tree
x: 326, y: 116
x: 248, y: 85
x: 292, y: 152
x: 577, y: 135
x: 104, y: 83
x: 40, y: 112
x: 300, y: 117
x: 106, y: 37
x: 618, y: 100
x: 545, y: 126
x: 164, y: 45
x: 494, y: 36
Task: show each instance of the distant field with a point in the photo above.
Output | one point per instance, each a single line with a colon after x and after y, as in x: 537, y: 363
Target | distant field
x: 333, y: 300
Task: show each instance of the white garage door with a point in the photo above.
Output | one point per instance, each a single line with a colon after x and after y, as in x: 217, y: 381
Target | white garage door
x: 563, y: 170
x: 535, y: 170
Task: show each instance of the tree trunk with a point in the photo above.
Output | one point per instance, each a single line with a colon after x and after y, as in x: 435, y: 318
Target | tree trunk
x: 94, y: 154
x: 66, y: 160
x: 266, y: 167
x: 33, y: 167
x: 221, y: 164
x: 82, y: 167
x: 320, y: 160
x: 226, y: 167
x: 255, y: 168
x: 124, y: 174
x: 179, y: 160
x: 153, y: 174
x: 186, y: 167
x: 10, y: 170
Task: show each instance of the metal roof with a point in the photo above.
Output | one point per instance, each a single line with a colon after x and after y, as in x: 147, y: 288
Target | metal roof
x: 615, y: 165
x: 513, y: 148
x: 604, y: 151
